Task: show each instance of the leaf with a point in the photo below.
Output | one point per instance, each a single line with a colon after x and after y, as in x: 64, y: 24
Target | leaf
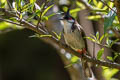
x: 110, y: 58
x: 94, y: 37
x: 116, y: 55
x: 99, y: 54
x: 102, y: 37
x: 74, y: 10
x: 95, y: 2
x: 45, y: 36
x: 99, y: 10
x: 111, y: 4
x: 2, y: 3
x: 26, y: 7
x: 89, y: 1
x: 113, y: 42
x: 32, y: 1
x: 21, y: 16
x: 95, y: 17
x: 80, y: 5
x: 65, y: 9
x: 108, y: 41
x: 74, y: 59
x: 49, y: 16
x: 109, y: 72
x: 58, y: 36
x: 109, y: 20
x: 97, y: 35
x: 45, y: 11
x: 100, y: 4
x: 44, y: 18
x: 36, y: 14
x: 69, y: 65
x: 37, y: 35
x: 90, y: 39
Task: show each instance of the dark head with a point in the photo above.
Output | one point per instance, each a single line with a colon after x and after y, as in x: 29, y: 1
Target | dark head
x: 68, y: 17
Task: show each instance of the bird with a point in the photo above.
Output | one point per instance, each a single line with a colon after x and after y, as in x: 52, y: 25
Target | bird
x: 74, y: 37
x: 73, y: 33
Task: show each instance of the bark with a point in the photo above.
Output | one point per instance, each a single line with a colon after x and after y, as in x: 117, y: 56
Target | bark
x: 89, y: 30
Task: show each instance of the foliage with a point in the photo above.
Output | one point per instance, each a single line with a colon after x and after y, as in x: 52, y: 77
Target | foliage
x: 99, y: 10
x: 109, y: 72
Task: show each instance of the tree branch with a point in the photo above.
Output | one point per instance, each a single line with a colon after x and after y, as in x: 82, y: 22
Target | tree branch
x: 59, y: 45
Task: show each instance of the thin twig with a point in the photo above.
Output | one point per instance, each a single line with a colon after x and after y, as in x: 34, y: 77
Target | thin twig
x: 10, y: 7
x: 108, y: 6
x: 11, y: 22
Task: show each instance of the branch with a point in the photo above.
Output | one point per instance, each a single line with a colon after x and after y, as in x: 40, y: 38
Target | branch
x: 59, y: 45
x: 105, y: 3
x: 1, y: 19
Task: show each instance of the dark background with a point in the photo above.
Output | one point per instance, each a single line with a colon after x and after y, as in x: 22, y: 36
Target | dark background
x: 24, y: 58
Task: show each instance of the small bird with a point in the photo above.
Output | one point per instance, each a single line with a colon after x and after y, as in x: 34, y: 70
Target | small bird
x: 73, y: 33
x: 74, y: 37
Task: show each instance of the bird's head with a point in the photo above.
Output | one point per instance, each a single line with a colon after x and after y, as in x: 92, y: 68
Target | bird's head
x: 67, y: 17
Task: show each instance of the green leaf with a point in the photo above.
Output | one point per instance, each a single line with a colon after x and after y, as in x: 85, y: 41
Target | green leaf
x: 108, y: 41
x: 95, y: 2
x: 32, y: 1
x: 69, y: 65
x: 95, y: 17
x: 74, y: 59
x: 21, y: 16
x: 109, y: 73
x: 94, y: 37
x: 110, y: 58
x: 49, y: 16
x: 99, y: 10
x: 37, y: 35
x: 44, y: 18
x: 113, y: 42
x: 109, y: 20
x: 74, y: 10
x: 90, y: 39
x: 102, y: 37
x: 97, y: 35
x: 37, y: 13
x: 116, y: 55
x: 99, y: 54
x: 111, y: 4
x: 80, y: 5
x: 45, y: 36
x: 89, y: 1
x: 3, y: 3
x: 26, y: 7
x: 45, y: 11
x: 57, y: 35
x: 100, y: 4
x: 65, y: 9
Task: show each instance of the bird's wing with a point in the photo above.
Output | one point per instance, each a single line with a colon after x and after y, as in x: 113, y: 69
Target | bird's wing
x: 78, y: 27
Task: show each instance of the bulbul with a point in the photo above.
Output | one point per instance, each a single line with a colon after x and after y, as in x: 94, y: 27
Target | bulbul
x: 74, y: 35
